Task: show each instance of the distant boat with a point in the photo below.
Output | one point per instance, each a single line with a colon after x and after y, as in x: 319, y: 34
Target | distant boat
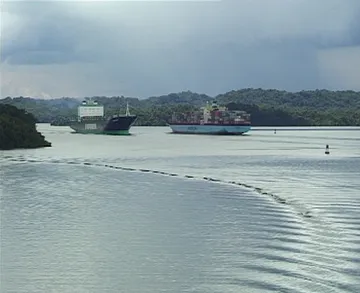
x: 211, y: 119
x: 91, y: 119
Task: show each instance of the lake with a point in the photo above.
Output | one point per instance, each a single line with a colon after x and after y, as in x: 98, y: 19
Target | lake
x: 160, y: 212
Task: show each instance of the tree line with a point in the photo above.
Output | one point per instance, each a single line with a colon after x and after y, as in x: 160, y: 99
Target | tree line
x: 267, y: 107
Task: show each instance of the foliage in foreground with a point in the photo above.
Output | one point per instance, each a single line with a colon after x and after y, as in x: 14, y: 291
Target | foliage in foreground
x: 18, y: 129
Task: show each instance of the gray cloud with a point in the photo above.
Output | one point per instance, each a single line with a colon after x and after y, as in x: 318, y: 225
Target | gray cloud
x: 147, y: 48
x: 54, y: 36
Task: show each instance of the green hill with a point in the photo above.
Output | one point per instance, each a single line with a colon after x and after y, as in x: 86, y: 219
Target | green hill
x: 267, y: 107
x: 317, y: 99
x: 18, y: 129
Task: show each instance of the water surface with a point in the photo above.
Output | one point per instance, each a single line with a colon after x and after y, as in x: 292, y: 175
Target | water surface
x: 157, y: 212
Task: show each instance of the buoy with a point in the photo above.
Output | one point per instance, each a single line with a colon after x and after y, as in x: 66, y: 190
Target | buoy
x: 327, y: 152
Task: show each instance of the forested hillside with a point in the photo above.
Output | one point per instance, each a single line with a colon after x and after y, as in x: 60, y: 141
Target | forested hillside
x: 317, y: 100
x: 267, y: 107
x: 18, y: 129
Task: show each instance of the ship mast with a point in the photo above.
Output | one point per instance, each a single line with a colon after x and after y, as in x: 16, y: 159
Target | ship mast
x: 127, y: 109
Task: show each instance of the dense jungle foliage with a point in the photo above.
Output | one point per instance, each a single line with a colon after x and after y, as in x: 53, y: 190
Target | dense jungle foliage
x: 18, y: 129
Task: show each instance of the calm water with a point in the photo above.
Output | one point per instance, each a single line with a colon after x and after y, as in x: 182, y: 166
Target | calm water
x: 157, y: 212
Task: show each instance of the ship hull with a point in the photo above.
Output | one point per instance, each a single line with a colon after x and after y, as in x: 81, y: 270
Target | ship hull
x: 114, y: 126
x: 214, y: 129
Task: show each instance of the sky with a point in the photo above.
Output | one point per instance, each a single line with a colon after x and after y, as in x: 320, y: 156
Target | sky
x: 52, y: 49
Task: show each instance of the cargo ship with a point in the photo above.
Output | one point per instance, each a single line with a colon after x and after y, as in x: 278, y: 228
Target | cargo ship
x: 211, y: 119
x: 91, y: 119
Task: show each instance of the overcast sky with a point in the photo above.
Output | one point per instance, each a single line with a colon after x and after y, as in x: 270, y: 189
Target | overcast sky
x: 140, y: 49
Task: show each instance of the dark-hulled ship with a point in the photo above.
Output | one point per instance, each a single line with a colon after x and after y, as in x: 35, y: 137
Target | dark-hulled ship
x: 91, y: 119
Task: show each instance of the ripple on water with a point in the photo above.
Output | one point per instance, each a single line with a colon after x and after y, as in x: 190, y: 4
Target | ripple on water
x: 160, y: 231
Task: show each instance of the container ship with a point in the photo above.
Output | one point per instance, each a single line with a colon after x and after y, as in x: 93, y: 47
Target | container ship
x: 91, y: 119
x: 211, y: 119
